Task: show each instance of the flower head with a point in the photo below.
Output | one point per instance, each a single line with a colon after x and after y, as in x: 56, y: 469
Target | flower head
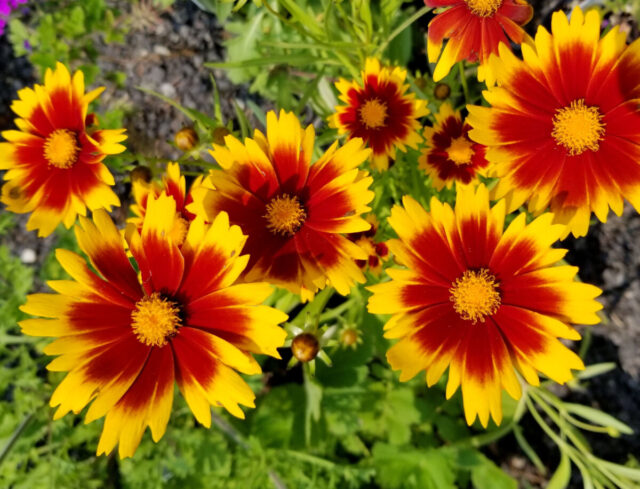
x: 174, y: 185
x: 563, y: 128
x: 380, y: 112
x: 376, y: 251
x: 479, y: 300
x: 450, y: 156
x: 124, y: 340
x: 294, y: 213
x: 475, y: 29
x: 55, y: 157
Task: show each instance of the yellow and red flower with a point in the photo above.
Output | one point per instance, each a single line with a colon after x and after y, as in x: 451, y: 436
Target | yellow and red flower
x: 174, y: 185
x: 124, y: 340
x: 293, y: 213
x: 377, y: 251
x: 450, y: 156
x: 564, y: 126
x: 54, y: 159
x: 380, y: 112
x: 475, y: 29
x: 479, y: 300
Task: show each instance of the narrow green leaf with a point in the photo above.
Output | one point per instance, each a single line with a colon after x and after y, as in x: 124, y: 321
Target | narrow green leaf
x: 291, y: 60
x: 562, y: 475
x: 217, y: 108
x: 595, y: 370
x: 528, y: 449
x: 245, y: 130
x: 598, y: 417
x: 627, y: 472
x: 258, y: 112
x: 303, y: 17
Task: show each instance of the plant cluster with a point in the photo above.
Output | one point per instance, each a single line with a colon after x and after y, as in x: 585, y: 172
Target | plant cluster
x: 411, y: 225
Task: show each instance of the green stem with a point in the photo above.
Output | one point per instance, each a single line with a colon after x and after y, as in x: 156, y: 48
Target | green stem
x: 586, y: 342
x: 305, y: 457
x: 15, y: 340
x: 315, y: 307
x: 398, y: 30
x: 463, y: 81
x: 336, y: 311
x: 14, y: 437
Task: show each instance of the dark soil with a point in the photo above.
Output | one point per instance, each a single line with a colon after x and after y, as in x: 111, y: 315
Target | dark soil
x: 166, y: 53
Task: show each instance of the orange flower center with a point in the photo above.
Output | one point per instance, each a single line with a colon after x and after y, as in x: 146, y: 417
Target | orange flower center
x: 460, y: 151
x: 475, y: 295
x: 61, y: 148
x: 285, y: 215
x: 155, y: 320
x: 578, y: 127
x: 373, y: 113
x: 483, y: 8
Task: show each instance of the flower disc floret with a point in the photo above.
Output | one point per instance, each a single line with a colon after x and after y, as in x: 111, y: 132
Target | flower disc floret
x: 578, y: 127
x: 475, y: 295
x: 285, y: 215
x: 373, y: 113
x: 460, y: 151
x: 155, y: 320
x: 61, y: 148
x: 483, y: 8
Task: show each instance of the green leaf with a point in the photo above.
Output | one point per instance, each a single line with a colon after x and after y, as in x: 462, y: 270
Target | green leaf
x: 19, y: 34
x: 488, y: 475
x: 217, y: 107
x: 412, y: 469
x: 621, y: 470
x: 562, y: 475
x: 245, y: 130
x: 220, y: 9
x: 284, y: 59
x: 598, y: 417
x: 72, y: 23
x: 528, y: 449
x: 278, y: 420
x: 303, y: 17
x: 400, y: 48
x: 595, y: 370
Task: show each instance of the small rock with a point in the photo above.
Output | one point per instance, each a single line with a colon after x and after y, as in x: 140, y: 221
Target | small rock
x: 28, y: 256
x: 168, y: 90
x: 161, y: 50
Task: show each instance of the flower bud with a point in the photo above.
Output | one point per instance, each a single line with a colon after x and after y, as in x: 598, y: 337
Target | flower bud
x: 140, y: 173
x: 349, y: 337
x: 186, y: 138
x: 219, y: 134
x: 441, y: 91
x: 305, y: 347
